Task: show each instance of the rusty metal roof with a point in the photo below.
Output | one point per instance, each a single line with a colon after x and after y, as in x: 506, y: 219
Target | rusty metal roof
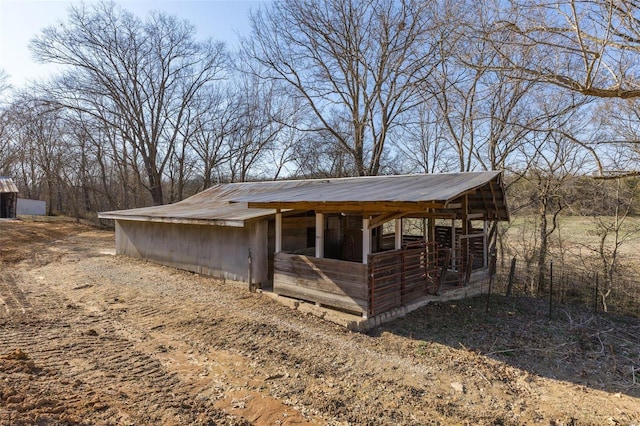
x: 441, y: 187
x: 484, y: 191
x: 228, y: 204
x: 212, y: 206
x: 7, y: 185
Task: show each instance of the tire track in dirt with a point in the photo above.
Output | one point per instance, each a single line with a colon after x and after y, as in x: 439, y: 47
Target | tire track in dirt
x: 208, y: 351
x: 79, y: 349
x: 235, y: 348
x: 11, y: 296
x: 120, y: 343
x: 188, y: 342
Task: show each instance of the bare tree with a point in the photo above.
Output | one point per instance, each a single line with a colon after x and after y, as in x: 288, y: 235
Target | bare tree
x: 556, y: 162
x: 42, y: 152
x: 4, y: 82
x: 358, y: 65
x: 257, y: 129
x: 136, y: 76
x: 210, y: 131
x: 424, y: 146
x: 6, y: 148
x: 590, y: 47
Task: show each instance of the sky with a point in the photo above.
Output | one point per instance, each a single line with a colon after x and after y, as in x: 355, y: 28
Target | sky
x: 21, y: 20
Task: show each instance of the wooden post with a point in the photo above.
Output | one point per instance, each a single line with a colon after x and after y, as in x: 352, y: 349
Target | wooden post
x: 453, y: 244
x: 512, y: 272
x: 432, y: 229
x: 366, y: 240
x: 398, y: 234
x: 425, y: 232
x: 319, y: 235
x: 485, y: 242
x: 464, y: 243
x: 278, y: 231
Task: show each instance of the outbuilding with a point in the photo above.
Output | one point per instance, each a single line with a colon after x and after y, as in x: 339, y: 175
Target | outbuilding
x: 8, y: 198
x: 364, y: 245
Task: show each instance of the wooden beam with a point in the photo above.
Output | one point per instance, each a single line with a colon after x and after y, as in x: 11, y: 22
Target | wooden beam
x: 398, y: 242
x: 378, y: 207
x: 449, y: 206
x: 475, y: 216
x: 386, y: 217
x: 434, y: 215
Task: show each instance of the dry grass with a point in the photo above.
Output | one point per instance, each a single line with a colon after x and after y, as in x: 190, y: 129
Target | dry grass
x: 576, y: 240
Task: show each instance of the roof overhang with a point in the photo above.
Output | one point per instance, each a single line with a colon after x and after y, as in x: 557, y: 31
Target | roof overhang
x: 160, y: 219
x: 480, y: 195
x: 474, y: 195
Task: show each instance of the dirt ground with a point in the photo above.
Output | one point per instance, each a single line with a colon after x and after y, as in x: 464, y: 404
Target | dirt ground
x: 87, y: 337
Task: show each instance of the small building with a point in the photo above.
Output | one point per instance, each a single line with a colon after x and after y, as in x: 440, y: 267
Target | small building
x: 8, y: 198
x: 30, y: 207
x: 364, y: 245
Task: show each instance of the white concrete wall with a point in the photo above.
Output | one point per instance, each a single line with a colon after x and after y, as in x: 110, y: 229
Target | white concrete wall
x: 31, y: 207
x: 219, y: 251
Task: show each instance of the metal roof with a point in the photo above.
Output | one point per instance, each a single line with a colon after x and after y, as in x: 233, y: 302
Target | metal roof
x: 7, y: 185
x: 234, y: 203
x: 442, y: 188
x: 212, y: 206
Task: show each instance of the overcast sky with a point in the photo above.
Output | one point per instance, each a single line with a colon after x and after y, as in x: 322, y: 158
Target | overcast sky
x: 21, y: 20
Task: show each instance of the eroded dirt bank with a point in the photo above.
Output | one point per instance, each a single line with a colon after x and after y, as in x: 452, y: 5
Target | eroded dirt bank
x: 87, y: 337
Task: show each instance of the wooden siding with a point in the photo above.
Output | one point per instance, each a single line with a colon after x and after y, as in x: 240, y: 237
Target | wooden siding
x: 329, y: 282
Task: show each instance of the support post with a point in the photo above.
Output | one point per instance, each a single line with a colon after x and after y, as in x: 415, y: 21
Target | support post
x: 453, y: 244
x: 366, y: 240
x: 464, y: 244
x: 485, y: 244
x: 278, y: 231
x: 319, y: 235
x: 398, y: 234
x: 432, y: 229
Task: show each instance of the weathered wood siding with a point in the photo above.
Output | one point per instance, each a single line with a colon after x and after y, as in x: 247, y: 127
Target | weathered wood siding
x: 330, y: 282
x: 399, y: 277
x: 219, y: 251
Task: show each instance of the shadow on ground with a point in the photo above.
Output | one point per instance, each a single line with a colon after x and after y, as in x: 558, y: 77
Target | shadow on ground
x: 573, y: 344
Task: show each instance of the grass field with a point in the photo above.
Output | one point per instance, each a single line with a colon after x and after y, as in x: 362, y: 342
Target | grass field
x: 576, y: 240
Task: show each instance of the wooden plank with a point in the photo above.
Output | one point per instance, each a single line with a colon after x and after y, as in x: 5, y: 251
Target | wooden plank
x: 337, y: 268
x: 333, y: 300
x: 304, y: 270
x: 331, y: 282
x: 328, y: 287
x: 329, y: 276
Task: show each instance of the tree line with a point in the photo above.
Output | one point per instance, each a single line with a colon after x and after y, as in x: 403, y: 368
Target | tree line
x: 141, y: 112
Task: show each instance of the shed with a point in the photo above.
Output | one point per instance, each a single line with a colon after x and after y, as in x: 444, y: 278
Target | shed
x: 8, y: 198
x: 364, y: 245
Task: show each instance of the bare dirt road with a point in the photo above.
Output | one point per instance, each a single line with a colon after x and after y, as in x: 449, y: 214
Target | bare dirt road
x: 87, y: 337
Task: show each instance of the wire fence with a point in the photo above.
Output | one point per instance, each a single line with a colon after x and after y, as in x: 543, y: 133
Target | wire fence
x: 568, y: 285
